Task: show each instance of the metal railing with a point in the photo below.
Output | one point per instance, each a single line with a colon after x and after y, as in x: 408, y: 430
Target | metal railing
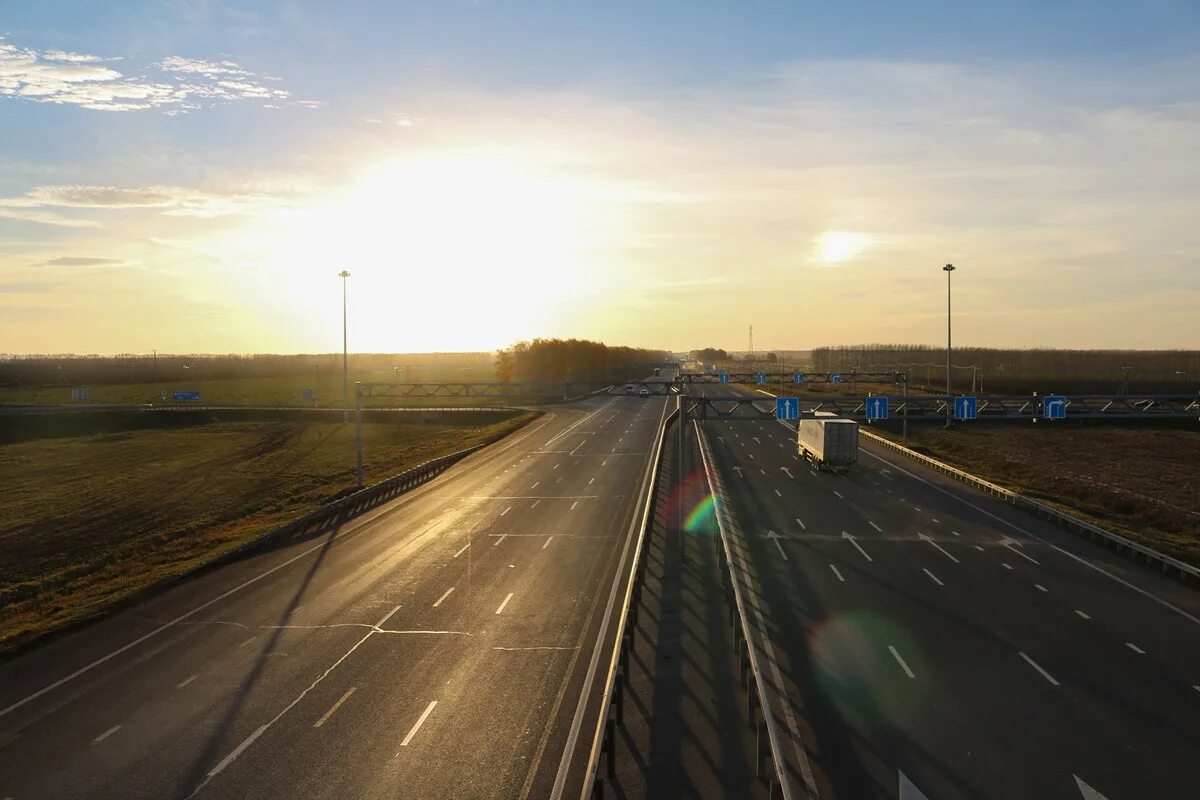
x: 756, y: 692
x: 611, y: 701
x: 1060, y: 518
x: 344, y: 508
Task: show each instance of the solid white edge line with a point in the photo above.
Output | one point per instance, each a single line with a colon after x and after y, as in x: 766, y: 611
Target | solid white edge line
x: 1038, y: 667
x: 225, y: 762
x: 903, y: 665
x: 1145, y: 593
x: 421, y: 721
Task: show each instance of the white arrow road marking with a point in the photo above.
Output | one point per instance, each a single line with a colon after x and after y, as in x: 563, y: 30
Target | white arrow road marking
x: 1088, y: 792
x: 788, y: 471
x: 933, y: 577
x: 856, y: 545
x: 941, y: 549
x: 909, y: 790
x: 1011, y: 544
x: 774, y: 537
x: 801, y: 524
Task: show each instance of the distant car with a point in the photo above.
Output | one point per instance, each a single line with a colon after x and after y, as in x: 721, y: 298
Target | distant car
x: 630, y: 388
x: 644, y: 391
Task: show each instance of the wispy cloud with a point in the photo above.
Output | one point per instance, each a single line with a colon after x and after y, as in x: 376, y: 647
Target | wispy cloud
x: 171, y: 200
x: 80, y: 79
x: 82, y: 261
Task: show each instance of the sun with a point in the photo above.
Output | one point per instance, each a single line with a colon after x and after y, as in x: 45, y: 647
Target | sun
x: 834, y: 247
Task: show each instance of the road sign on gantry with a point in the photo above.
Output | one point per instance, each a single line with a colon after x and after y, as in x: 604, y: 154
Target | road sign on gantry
x: 798, y: 377
x: 762, y: 377
x: 724, y: 377
x: 186, y: 396
x: 835, y: 378
x: 966, y: 407
x: 1054, y: 406
x: 787, y: 408
x: 877, y: 408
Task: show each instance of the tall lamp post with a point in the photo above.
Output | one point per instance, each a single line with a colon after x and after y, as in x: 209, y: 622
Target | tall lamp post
x: 949, y: 400
x: 345, y: 354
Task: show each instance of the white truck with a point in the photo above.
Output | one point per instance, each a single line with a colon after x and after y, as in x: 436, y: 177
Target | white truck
x: 828, y: 442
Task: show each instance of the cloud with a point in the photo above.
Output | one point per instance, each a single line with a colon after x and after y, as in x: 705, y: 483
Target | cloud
x: 172, y: 200
x: 25, y: 287
x: 80, y: 261
x: 187, y: 84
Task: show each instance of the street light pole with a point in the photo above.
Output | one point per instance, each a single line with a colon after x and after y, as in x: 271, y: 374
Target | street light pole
x: 949, y: 400
x: 345, y: 354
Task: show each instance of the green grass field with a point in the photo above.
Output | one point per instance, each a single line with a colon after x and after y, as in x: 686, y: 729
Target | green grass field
x: 91, y: 520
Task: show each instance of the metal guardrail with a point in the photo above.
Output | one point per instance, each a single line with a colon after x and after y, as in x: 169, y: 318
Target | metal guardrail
x: 611, y: 701
x: 346, y: 507
x: 1060, y: 518
x: 756, y: 700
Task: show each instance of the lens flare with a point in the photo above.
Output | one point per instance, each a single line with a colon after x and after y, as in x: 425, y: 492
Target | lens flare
x: 854, y: 668
x: 703, y: 518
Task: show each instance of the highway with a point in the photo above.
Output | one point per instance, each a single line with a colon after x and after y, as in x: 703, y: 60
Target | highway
x: 437, y: 647
x: 936, y: 643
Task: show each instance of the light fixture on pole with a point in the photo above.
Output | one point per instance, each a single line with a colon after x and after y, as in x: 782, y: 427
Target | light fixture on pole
x: 949, y: 400
x: 345, y: 354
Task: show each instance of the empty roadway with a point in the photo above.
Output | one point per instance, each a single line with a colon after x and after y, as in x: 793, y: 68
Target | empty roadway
x: 435, y: 647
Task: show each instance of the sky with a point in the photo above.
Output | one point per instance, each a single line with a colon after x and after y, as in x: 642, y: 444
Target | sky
x: 191, y: 175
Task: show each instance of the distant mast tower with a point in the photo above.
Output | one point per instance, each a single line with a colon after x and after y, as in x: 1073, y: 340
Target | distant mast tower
x: 751, y: 352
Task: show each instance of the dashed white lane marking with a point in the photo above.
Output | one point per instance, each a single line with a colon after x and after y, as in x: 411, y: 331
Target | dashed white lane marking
x: 801, y: 524
x: 933, y: 577
x: 956, y: 533
x: 335, y: 706
x: 535, y: 485
x: 839, y: 494
x: 548, y: 539
x: 812, y: 472
x: 1135, y: 648
x: 106, y: 734
x: 443, y: 597
x: 572, y: 508
x: 499, y: 539
x: 1006, y: 565
x: 1197, y: 687
x: 903, y: 666
x: 1082, y: 614
x: 980, y: 549
x: 778, y: 493
x: 505, y: 511
x: 420, y: 721
x: 535, y: 502
x: 752, y: 455
x: 1038, y: 667
x: 916, y: 509
x: 248, y: 641
x: 186, y: 681
x: 590, y: 482
x: 936, y: 521
x: 876, y: 527
x: 462, y: 549
x: 605, y: 461
x: 502, y: 605
x: 835, y: 572
x: 555, y: 466
x: 1041, y: 588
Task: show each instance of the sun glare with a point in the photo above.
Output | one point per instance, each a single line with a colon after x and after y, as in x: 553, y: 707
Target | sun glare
x: 834, y: 247
x: 479, y: 248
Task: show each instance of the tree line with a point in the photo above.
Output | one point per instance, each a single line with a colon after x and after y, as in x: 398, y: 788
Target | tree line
x: 576, y: 361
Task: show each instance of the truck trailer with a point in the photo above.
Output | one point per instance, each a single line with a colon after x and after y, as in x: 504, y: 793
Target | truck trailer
x: 828, y: 442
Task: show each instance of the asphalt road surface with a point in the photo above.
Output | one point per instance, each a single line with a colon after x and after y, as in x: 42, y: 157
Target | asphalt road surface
x: 937, y: 643
x: 437, y: 647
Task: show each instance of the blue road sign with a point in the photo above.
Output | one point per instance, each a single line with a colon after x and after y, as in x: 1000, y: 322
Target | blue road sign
x: 787, y: 408
x: 762, y: 377
x: 877, y: 408
x: 186, y: 395
x: 966, y: 407
x: 835, y: 378
x: 307, y: 394
x: 1054, y: 406
x: 798, y: 377
x: 724, y: 377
